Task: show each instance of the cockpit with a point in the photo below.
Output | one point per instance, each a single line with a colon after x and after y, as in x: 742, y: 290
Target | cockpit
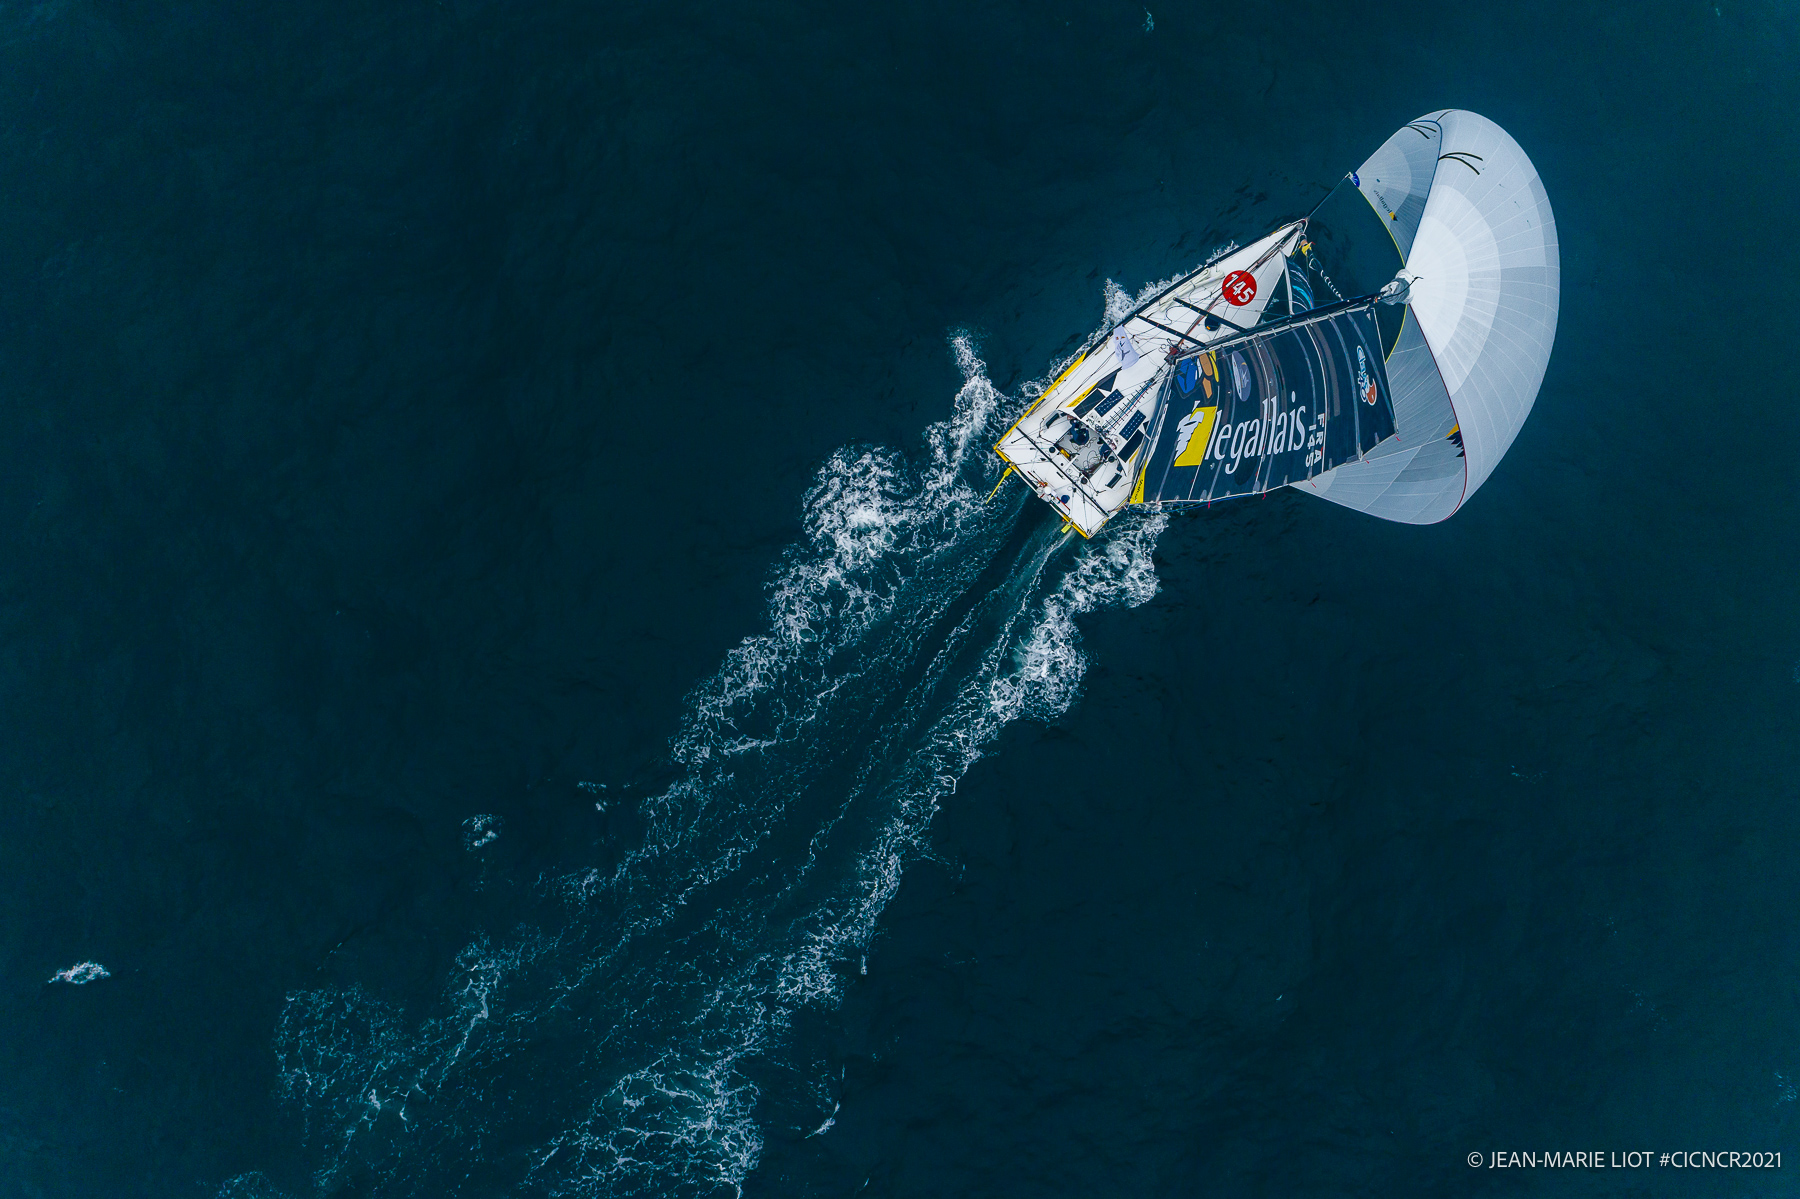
x: 1085, y: 447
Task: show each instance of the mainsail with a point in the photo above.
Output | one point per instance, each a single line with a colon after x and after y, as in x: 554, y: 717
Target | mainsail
x: 1279, y: 405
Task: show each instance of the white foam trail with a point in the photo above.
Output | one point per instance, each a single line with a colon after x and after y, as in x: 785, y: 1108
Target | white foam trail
x: 814, y: 761
x: 254, y: 1185
x: 80, y: 973
x: 479, y: 831
x: 1040, y: 677
x: 1121, y: 303
x: 1118, y: 572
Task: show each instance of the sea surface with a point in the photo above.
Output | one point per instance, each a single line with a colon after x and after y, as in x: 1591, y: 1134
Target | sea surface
x: 512, y: 684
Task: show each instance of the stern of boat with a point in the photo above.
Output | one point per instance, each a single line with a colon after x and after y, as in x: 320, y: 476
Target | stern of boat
x: 1047, y: 472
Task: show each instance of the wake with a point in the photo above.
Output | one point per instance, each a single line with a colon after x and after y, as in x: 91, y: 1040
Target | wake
x: 643, y: 1036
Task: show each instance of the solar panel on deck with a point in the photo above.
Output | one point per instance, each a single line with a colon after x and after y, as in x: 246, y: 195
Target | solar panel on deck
x: 1111, y: 402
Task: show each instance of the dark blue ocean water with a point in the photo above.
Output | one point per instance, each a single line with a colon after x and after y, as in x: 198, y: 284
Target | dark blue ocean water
x: 507, y: 669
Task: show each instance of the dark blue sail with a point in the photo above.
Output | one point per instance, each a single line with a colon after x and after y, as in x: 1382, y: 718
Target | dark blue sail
x: 1276, y: 406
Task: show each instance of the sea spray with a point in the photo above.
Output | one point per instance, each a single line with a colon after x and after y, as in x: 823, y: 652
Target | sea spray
x: 641, y: 1035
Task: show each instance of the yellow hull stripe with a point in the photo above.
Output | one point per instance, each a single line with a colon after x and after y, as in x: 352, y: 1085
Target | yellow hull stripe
x: 1036, y: 402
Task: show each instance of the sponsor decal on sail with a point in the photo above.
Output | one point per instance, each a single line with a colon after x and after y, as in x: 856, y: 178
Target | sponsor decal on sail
x: 1187, y: 375
x: 1241, y: 378
x: 1272, y: 431
x: 1194, y: 435
x: 1274, y: 419
x: 1365, y: 385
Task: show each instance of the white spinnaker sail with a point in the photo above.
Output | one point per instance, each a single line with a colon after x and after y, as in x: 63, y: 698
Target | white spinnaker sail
x: 1397, y: 178
x: 1485, y: 278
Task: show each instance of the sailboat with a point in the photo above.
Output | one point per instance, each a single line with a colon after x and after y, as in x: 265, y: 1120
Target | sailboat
x: 1385, y: 370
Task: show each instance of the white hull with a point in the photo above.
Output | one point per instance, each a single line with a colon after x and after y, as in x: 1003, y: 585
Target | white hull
x: 1082, y: 445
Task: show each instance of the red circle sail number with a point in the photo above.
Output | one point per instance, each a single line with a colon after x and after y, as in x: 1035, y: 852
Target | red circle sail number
x: 1239, y: 288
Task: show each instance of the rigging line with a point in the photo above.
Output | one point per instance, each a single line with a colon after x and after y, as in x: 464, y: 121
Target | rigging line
x: 1179, y: 336
x: 1209, y: 312
x: 1312, y: 262
x: 1329, y: 192
x: 1274, y: 249
x: 1309, y: 317
x: 1266, y: 255
x: 1412, y: 125
x: 1152, y: 381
